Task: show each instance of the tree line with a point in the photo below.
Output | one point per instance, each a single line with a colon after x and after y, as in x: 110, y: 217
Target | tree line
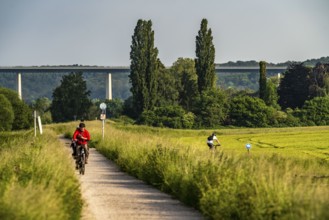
x: 186, y: 94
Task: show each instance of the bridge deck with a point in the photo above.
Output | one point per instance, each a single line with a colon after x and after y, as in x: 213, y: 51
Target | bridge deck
x: 111, y: 68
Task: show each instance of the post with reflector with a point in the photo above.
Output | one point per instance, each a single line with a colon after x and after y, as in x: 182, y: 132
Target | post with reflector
x: 103, y: 116
x: 248, y: 146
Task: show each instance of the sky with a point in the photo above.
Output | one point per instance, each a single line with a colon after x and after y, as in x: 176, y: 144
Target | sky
x: 99, y: 32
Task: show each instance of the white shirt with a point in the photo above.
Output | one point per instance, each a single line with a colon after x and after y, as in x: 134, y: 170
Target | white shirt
x: 212, y: 141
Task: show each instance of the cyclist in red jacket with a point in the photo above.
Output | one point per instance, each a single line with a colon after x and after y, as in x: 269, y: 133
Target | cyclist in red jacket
x: 81, y: 136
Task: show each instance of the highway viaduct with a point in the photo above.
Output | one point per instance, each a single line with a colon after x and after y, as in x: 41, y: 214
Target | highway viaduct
x: 109, y: 71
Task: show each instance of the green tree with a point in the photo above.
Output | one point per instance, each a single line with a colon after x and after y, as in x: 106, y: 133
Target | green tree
x: 129, y: 109
x: 271, y: 95
x: 250, y: 112
x: 294, y: 86
x: 42, y: 106
x: 319, y: 78
x: 172, y: 116
x: 167, y: 91
x: 186, y: 82
x: 143, y: 67
x: 71, y: 99
x: 22, y: 112
x: 94, y: 110
x: 114, y: 108
x: 262, y: 80
x: 6, y: 114
x: 205, y: 58
x: 211, y: 108
x: 316, y: 111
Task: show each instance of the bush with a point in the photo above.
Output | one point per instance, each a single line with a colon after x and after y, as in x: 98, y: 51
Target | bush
x: 211, y: 108
x: 147, y: 118
x: 316, y: 111
x: 171, y: 116
x: 22, y: 112
x: 250, y: 112
x: 114, y: 108
x: 6, y: 114
x: 287, y: 118
x: 188, y: 120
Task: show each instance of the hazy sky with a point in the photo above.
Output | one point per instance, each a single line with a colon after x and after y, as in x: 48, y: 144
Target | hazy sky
x: 98, y: 32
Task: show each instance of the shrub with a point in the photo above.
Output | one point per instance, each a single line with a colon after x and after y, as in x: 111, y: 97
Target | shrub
x: 250, y: 112
x: 22, y: 112
x: 114, y: 108
x: 172, y: 116
x: 147, y: 118
x: 211, y: 108
x: 188, y: 120
x: 6, y: 114
x: 316, y: 111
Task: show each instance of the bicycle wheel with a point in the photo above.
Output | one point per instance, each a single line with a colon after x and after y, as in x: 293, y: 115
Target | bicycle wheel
x: 82, y: 164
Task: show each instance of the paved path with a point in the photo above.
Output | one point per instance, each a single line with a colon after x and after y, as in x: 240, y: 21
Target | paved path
x: 112, y: 194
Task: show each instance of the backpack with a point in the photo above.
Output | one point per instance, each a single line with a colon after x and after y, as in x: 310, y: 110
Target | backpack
x: 210, y: 138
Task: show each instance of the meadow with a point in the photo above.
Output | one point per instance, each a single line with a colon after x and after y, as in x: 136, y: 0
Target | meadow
x: 285, y: 175
x: 37, y: 178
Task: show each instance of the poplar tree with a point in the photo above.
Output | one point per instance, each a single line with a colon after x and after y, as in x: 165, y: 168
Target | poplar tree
x: 205, y: 58
x: 262, y: 80
x: 143, y: 68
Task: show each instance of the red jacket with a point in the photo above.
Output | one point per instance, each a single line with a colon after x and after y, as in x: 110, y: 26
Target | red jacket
x: 78, y: 134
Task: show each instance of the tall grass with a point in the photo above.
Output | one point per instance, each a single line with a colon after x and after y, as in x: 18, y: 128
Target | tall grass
x: 37, y: 180
x: 227, y: 183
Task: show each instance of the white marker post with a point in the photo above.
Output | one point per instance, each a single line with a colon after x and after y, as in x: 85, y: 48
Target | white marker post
x: 37, y: 123
x: 103, y: 116
x: 40, y: 124
x: 248, y: 146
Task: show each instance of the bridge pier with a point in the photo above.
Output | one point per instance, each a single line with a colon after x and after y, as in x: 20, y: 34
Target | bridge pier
x: 19, y: 85
x: 109, y: 86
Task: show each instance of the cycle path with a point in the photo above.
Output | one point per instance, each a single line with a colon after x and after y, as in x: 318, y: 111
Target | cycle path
x: 112, y: 194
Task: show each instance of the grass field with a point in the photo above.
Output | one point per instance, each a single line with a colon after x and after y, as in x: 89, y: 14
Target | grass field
x: 285, y: 176
x: 305, y: 142
x: 299, y: 142
x: 37, y: 178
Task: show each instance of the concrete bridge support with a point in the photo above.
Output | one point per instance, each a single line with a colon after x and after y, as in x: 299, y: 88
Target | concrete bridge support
x: 19, y: 85
x: 109, y: 86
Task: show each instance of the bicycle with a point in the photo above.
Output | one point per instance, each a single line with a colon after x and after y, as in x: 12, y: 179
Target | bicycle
x: 214, y: 147
x: 81, y: 160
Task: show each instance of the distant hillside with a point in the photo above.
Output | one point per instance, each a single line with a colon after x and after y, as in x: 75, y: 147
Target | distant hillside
x: 310, y: 62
